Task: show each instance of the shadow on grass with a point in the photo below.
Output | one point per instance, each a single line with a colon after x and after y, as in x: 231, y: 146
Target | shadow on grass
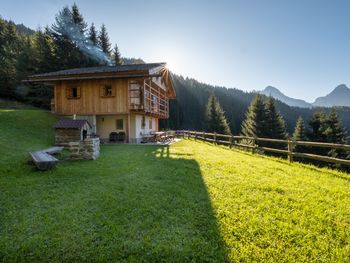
x: 132, y: 204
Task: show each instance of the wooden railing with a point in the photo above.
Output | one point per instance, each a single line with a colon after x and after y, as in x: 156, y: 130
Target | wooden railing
x: 149, y: 99
x: 241, y: 141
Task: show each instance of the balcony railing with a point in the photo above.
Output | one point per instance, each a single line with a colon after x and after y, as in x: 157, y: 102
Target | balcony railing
x: 149, y: 99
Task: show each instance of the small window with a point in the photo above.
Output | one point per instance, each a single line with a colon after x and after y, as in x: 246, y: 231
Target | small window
x: 150, y: 124
x: 73, y: 92
x: 120, y: 124
x: 107, y: 91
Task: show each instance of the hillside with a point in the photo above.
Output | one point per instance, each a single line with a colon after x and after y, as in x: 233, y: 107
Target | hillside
x: 191, y: 201
x: 188, y: 110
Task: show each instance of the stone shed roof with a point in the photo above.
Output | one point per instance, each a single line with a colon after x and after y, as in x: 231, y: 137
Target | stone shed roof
x: 70, y: 124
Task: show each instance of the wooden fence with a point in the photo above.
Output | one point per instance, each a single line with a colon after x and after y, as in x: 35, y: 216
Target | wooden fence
x: 238, y: 141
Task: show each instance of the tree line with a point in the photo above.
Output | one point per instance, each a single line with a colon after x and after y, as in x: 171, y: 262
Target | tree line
x: 68, y: 43
x: 263, y: 120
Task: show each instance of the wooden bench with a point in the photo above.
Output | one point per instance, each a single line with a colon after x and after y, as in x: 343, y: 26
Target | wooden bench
x: 43, y: 159
x: 52, y: 150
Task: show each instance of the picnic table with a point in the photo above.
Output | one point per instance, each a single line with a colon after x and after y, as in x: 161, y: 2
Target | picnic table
x: 159, y: 136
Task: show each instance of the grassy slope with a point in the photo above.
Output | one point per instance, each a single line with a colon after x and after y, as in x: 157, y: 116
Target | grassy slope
x: 191, y: 201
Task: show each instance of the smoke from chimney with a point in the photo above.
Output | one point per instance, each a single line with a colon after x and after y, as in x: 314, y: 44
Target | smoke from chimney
x: 84, y: 44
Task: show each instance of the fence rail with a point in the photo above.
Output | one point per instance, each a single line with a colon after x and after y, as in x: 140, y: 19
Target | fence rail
x: 236, y: 141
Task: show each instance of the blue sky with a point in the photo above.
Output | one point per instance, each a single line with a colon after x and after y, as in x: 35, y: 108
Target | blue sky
x: 300, y: 47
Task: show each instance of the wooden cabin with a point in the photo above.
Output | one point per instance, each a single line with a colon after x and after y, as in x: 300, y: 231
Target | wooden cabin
x: 127, y: 99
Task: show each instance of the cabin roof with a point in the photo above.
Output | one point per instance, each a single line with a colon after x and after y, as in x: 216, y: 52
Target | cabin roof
x: 145, y: 68
x: 108, y: 72
x: 70, y: 124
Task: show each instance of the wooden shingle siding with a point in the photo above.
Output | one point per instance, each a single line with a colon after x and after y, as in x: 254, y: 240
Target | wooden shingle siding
x: 90, y: 101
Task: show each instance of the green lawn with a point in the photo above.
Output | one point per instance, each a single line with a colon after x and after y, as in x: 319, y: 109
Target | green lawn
x: 191, y: 201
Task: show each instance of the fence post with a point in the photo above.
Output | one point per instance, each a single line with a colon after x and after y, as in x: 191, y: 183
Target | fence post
x: 231, y: 141
x: 203, y: 136
x: 254, y: 144
x: 215, y: 138
x: 195, y: 136
x: 290, y: 150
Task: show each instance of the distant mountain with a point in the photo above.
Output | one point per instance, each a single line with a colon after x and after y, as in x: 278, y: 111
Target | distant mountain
x: 188, y: 110
x: 275, y: 93
x: 340, y: 96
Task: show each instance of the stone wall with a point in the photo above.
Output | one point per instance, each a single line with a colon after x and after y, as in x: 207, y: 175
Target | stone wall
x: 64, y: 136
x: 89, y: 149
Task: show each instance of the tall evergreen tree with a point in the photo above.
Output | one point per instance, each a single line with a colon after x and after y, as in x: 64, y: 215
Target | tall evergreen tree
x: 276, y: 127
x: 335, y: 133
x: 103, y: 40
x: 255, y: 124
x: 93, y: 34
x: 78, y: 18
x: 300, y: 135
x: 317, y: 124
x: 300, y: 130
x: 117, y: 58
x: 10, y: 48
x: 215, y: 116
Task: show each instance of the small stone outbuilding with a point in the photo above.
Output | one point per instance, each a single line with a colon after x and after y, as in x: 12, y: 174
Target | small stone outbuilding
x: 70, y: 130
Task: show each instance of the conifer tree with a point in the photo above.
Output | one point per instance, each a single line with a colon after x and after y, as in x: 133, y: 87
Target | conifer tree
x: 300, y: 135
x: 335, y: 133
x: 10, y: 47
x: 117, y: 58
x: 318, y: 126
x: 255, y: 124
x: 78, y: 18
x: 316, y: 133
x: 300, y: 130
x: 215, y: 116
x: 93, y: 34
x: 276, y: 127
x: 103, y: 40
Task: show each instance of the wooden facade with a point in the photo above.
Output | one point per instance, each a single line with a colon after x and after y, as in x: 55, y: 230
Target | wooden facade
x: 122, y: 99
x: 91, y: 101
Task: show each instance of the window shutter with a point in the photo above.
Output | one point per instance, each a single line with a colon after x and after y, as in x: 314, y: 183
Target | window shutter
x: 68, y: 92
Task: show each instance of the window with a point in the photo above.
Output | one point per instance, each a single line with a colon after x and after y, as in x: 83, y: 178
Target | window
x: 120, y: 124
x: 150, y: 124
x: 107, y: 91
x: 73, y: 92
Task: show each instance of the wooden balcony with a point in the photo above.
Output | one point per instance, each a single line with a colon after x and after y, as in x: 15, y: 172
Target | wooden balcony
x: 148, y: 98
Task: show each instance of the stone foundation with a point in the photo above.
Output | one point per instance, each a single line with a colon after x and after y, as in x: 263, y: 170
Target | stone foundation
x: 89, y: 149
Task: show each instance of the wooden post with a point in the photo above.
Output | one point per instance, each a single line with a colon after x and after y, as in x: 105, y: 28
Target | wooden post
x: 254, y: 144
x: 231, y: 141
x: 290, y: 150
x: 195, y: 136
x: 215, y: 138
x: 203, y: 136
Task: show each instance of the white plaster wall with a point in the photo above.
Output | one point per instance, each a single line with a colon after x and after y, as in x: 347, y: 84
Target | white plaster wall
x: 136, y: 130
x: 108, y: 123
